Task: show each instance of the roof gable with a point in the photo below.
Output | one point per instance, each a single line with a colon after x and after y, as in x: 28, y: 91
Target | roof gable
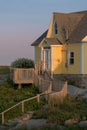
x: 38, y: 41
x: 80, y: 31
x: 73, y: 26
x: 50, y: 41
x: 67, y: 24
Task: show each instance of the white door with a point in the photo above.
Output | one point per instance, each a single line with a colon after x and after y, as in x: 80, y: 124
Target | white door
x: 46, y: 58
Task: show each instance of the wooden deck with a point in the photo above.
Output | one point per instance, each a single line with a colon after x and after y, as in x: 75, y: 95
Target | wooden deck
x: 23, y: 76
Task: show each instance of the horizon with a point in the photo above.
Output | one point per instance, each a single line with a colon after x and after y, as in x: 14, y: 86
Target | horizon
x: 22, y: 22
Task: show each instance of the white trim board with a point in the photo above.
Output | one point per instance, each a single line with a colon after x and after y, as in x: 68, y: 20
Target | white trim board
x: 82, y: 59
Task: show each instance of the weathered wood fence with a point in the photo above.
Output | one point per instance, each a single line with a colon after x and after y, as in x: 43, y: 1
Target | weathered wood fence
x: 49, y: 94
x: 44, y: 85
x: 22, y: 103
x: 60, y: 94
x: 22, y: 75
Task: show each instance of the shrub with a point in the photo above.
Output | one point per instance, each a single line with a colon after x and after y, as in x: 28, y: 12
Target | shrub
x: 22, y: 63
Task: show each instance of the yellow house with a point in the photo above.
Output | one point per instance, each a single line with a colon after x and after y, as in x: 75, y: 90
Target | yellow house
x: 63, y: 47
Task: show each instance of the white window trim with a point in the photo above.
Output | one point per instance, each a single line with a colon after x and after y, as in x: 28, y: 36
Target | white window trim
x: 41, y: 53
x: 51, y: 63
x: 82, y: 59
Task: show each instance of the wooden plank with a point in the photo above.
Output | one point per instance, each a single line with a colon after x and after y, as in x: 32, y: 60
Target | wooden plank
x: 3, y: 118
x: 22, y: 76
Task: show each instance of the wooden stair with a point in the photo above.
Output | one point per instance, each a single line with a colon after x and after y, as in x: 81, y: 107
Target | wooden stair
x: 57, y: 85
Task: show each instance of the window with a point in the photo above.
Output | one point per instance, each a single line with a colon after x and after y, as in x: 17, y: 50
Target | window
x: 55, y: 28
x: 71, y: 57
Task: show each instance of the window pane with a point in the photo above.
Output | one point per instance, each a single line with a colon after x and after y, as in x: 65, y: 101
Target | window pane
x: 72, y: 54
x: 71, y: 61
x: 55, y: 28
x: 71, y: 57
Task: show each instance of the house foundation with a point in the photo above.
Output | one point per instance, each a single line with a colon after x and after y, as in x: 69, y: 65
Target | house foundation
x: 79, y: 80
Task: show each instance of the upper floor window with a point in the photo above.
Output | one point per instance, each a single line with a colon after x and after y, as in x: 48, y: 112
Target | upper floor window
x: 55, y: 28
x: 71, y: 57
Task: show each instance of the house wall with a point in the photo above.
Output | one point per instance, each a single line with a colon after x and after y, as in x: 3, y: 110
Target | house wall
x: 37, y: 54
x: 85, y: 58
x: 76, y: 67
x: 73, y: 73
x: 57, y: 59
x: 60, y: 57
x: 51, y: 30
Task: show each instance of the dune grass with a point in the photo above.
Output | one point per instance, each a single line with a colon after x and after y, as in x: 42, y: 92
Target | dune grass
x: 10, y: 96
x: 57, y: 112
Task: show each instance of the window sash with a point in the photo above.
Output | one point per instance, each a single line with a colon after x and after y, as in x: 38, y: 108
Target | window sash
x: 71, y: 57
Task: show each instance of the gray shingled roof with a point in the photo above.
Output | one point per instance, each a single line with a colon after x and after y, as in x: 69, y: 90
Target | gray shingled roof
x: 37, y: 41
x: 53, y: 41
x: 73, y: 26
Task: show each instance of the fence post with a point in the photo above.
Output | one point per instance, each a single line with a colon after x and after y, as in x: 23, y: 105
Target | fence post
x: 46, y: 95
x: 23, y: 106
x: 19, y: 86
x: 38, y: 98
x: 50, y: 87
x: 3, y: 119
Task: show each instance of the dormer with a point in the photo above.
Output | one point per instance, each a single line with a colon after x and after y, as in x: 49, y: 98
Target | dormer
x: 84, y: 39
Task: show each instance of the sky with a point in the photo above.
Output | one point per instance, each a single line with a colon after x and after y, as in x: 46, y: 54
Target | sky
x: 23, y: 21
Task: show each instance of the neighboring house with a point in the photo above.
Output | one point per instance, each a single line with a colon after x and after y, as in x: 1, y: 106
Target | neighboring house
x: 63, y: 47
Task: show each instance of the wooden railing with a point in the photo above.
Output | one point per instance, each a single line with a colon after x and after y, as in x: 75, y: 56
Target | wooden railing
x: 44, y: 85
x: 61, y: 94
x: 40, y: 67
x: 22, y: 103
x: 22, y: 75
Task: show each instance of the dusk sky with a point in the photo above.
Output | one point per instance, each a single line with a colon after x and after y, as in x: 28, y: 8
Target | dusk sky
x: 23, y: 21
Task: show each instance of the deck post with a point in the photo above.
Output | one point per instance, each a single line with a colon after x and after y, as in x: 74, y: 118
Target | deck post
x: 19, y: 86
x: 3, y: 119
x: 38, y: 98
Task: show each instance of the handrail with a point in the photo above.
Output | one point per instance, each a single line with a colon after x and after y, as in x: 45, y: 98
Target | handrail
x: 44, y: 79
x: 22, y: 102
x: 11, y: 68
x: 63, y: 91
x: 10, y: 108
x: 46, y: 92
